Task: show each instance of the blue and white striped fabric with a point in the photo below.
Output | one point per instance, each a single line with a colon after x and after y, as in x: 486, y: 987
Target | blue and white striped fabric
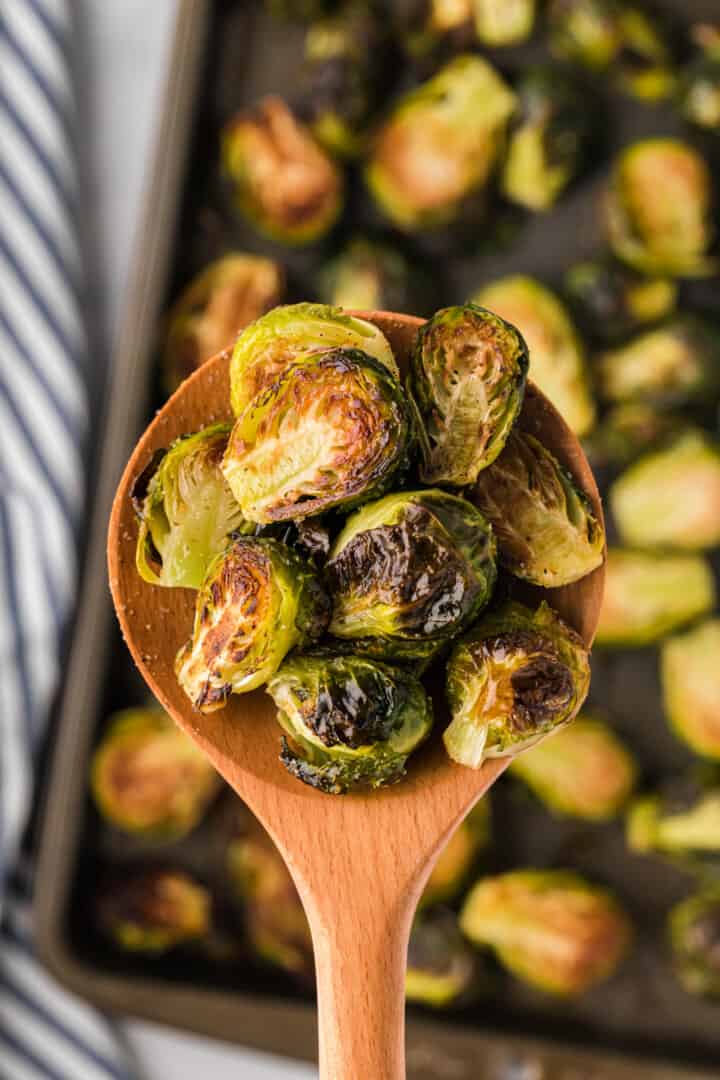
x: 44, y: 1032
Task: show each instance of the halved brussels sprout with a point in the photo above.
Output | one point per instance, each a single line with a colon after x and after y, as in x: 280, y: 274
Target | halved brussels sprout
x: 333, y: 431
x: 670, y: 497
x: 186, y: 510
x: 658, y: 206
x: 583, y: 771
x: 627, y: 431
x: 550, y: 928
x: 690, y: 675
x: 441, y: 968
x: 681, y: 820
x: 440, y: 146
x: 678, y: 363
x: 265, y: 349
x: 546, y: 529
x: 437, y: 27
x: 612, y: 301
x: 458, y: 856
x: 370, y: 275
x: 149, y: 778
x: 283, y: 181
x: 586, y: 32
x: 258, y: 600
x: 503, y: 22
x: 217, y: 304
x: 408, y: 572
x: 694, y: 931
x: 557, y: 357
x: 274, y: 918
x: 650, y: 594
x: 349, y: 722
x: 346, y: 70
x: 548, y: 138
x: 517, y: 676
x: 153, y: 910
x: 469, y: 369
x: 699, y: 89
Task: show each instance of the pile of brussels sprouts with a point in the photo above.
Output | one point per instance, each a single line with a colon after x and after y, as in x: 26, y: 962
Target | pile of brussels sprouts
x: 344, y: 534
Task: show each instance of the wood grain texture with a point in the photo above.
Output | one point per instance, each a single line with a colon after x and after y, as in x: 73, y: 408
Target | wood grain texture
x: 359, y: 861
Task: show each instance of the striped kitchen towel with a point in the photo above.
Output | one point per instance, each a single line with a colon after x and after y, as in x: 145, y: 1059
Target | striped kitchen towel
x: 44, y: 1031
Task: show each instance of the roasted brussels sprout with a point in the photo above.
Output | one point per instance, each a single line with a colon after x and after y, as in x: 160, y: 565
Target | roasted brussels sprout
x: 408, y: 572
x: 517, y: 676
x: 458, y: 856
x: 657, y: 208
x: 681, y: 820
x: 153, y: 910
x: 500, y: 23
x: 612, y: 301
x: 670, y: 497
x: 283, y: 181
x: 548, y: 139
x: 549, y: 928
x: 371, y: 276
x: 691, y: 686
x: 186, y: 510
x: 263, y: 352
x: 694, y: 931
x: 675, y: 364
x: 334, y: 430
x: 583, y: 771
x: 546, y: 529
x: 433, y: 157
x: 469, y: 369
x: 441, y: 968
x: 434, y: 27
x: 149, y: 778
x: 214, y: 308
x: 346, y: 70
x: 349, y: 722
x: 557, y: 357
x: 626, y: 431
x: 274, y: 917
x: 650, y: 594
x: 699, y: 87
x: 258, y: 600
x: 585, y: 31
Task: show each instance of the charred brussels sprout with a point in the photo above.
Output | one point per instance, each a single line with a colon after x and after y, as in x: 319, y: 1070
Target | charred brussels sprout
x: 333, y: 431
x: 348, y: 722
x: 557, y: 358
x: 699, y: 88
x: 149, y: 778
x: 274, y: 918
x: 469, y: 369
x: 370, y: 276
x: 546, y: 529
x: 626, y: 431
x: 283, y: 182
x: 547, y: 141
x: 676, y: 364
x: 549, y: 928
x: 153, y: 911
x: 690, y: 676
x: 657, y: 208
x: 694, y: 930
x: 258, y: 600
x: 346, y: 66
x: 435, y: 27
x: 583, y: 771
x: 437, y: 150
x: 186, y: 510
x: 408, y: 572
x: 499, y: 23
x: 682, y: 821
x: 650, y: 594
x: 263, y: 352
x: 441, y: 968
x: 670, y: 497
x: 612, y: 301
x: 586, y: 32
x: 517, y: 676
x: 458, y: 856
x: 216, y: 305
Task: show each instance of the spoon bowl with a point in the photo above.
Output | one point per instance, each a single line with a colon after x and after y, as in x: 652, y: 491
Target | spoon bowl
x: 359, y: 861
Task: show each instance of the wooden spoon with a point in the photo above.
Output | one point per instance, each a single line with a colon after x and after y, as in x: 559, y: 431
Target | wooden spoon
x: 359, y: 861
